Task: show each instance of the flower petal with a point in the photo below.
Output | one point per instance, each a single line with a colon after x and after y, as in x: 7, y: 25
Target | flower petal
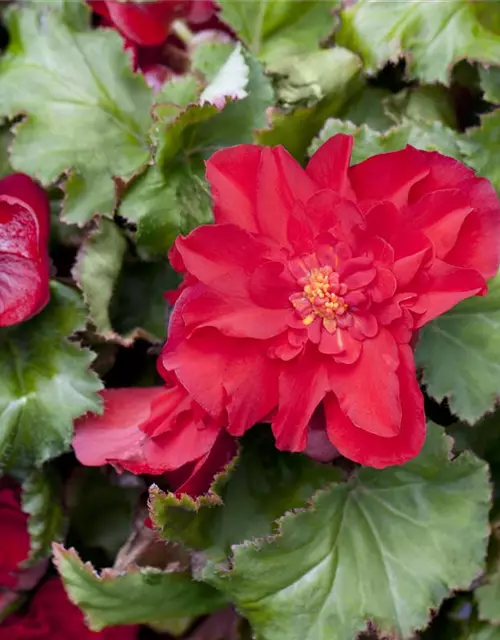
x: 235, y: 317
x: 303, y: 384
x: 440, y: 215
x: 373, y: 450
x: 221, y: 255
x: 145, y: 24
x: 328, y: 166
x: 24, y: 288
x: 389, y: 176
x: 195, y: 478
x: 446, y: 286
x: 116, y: 435
x: 368, y: 390
x: 256, y: 188
x: 20, y: 188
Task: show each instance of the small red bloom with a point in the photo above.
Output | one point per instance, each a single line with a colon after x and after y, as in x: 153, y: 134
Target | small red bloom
x: 24, y: 261
x: 310, y: 285
x: 155, y: 430
x: 51, y: 616
x: 146, y: 27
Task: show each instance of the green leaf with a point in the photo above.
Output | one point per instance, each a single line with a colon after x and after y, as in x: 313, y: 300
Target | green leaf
x: 41, y: 500
x: 86, y: 110
x: 139, y: 596
x: 425, y: 103
x: 488, y: 597
x: 368, y: 107
x: 138, y: 308
x: 74, y: 14
x: 124, y: 294
x: 479, y: 147
x: 490, y: 83
x: 432, y: 36
x: 385, y: 547
x: 296, y: 130
x: 101, y: 508
x: 432, y: 136
x: 460, y: 355
x: 274, y: 29
x: 180, y: 91
x: 97, y: 267
x: 230, y: 80
x: 172, y: 196
x: 45, y: 383
x: 209, y: 57
x: 5, y: 142
x: 306, y: 80
x: 484, y: 631
x: 244, y: 503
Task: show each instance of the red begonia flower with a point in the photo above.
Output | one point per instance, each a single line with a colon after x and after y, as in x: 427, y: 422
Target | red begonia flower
x: 310, y: 284
x: 155, y: 430
x: 51, y: 616
x: 144, y: 23
x: 24, y: 260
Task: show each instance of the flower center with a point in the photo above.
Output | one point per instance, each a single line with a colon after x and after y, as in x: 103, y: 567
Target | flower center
x: 321, y: 297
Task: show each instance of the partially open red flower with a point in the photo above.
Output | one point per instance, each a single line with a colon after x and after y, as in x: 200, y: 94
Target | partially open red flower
x: 146, y: 27
x: 24, y: 261
x: 51, y: 616
x: 310, y: 284
x: 155, y: 430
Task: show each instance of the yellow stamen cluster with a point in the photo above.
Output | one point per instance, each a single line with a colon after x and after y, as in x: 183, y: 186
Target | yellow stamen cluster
x: 323, y: 292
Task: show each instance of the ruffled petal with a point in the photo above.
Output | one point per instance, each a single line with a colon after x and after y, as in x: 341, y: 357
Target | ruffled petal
x: 303, y: 384
x: 280, y: 183
x: 478, y: 243
x: 368, y: 391
x: 329, y: 165
x: 373, y: 450
x: 221, y: 255
x: 195, y: 478
x: 231, y: 379
x: 256, y: 188
x: 440, y: 215
x: 234, y: 317
x: 115, y: 436
x: 232, y: 174
x: 446, y: 286
x: 389, y: 176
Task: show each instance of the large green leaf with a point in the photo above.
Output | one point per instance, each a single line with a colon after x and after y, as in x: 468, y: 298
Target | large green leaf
x: 480, y: 147
x: 86, y: 111
x: 431, y: 136
x: 124, y: 294
x: 41, y: 500
x: 244, y: 503
x: 172, y: 196
x: 45, y: 383
x: 460, y: 355
x: 385, y: 547
x: 490, y: 83
x: 432, y: 36
x: 296, y: 130
x: 139, y: 596
x: 276, y: 29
